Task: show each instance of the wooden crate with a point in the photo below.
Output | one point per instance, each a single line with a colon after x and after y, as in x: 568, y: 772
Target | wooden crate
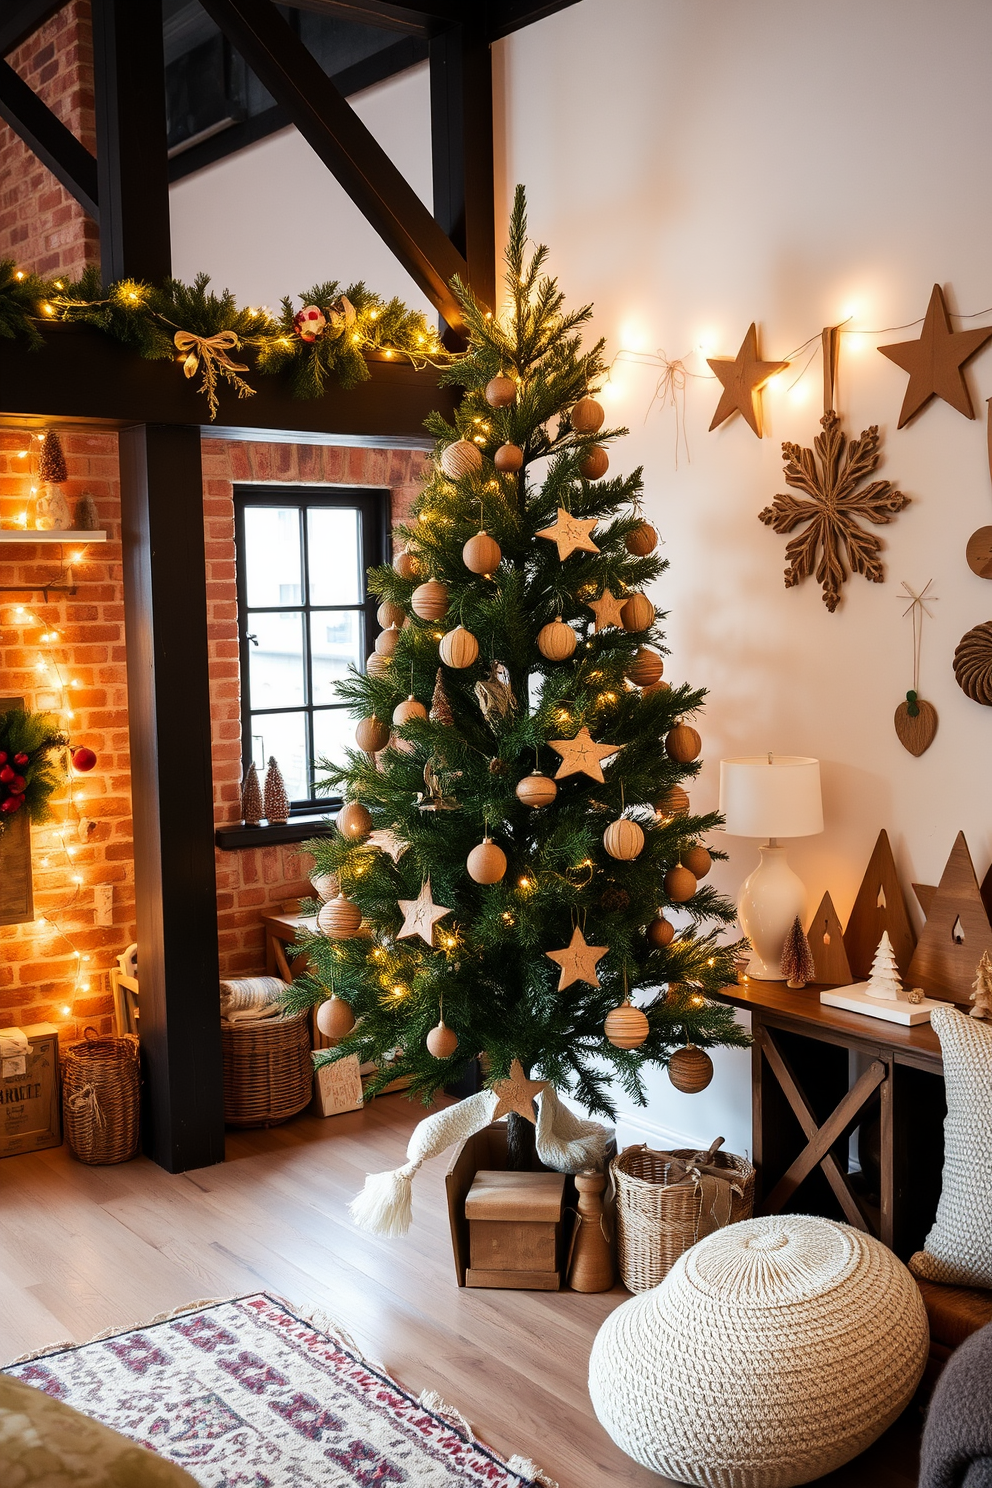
x: 30, y: 1105
x: 515, y: 1230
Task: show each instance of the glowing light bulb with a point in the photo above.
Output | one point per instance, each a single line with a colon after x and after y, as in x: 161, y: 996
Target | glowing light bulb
x: 524, y: 882
x: 77, y: 557
x: 19, y: 274
x: 77, y: 878
x: 66, y: 1012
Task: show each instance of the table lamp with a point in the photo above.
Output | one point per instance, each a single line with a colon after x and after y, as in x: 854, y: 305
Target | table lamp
x: 772, y: 796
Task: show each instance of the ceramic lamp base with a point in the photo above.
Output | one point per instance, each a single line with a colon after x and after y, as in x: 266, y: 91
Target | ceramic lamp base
x: 769, y: 902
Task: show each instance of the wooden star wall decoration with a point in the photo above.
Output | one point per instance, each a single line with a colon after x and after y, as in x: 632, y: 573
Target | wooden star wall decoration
x: 743, y: 377
x: 517, y: 1093
x: 831, y: 505
x: 570, y: 533
x: 935, y: 362
x: 582, y: 755
x: 420, y: 915
x: 607, y: 609
x: 577, y: 961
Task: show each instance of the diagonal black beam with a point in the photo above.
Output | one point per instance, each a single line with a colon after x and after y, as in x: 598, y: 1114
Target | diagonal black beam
x: 512, y: 15
x: 55, y: 146
x: 424, y: 18
x: 334, y: 131
x: 18, y: 22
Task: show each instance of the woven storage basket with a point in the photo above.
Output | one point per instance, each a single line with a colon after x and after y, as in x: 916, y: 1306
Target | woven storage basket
x: 101, y: 1081
x: 658, y: 1216
x: 268, y: 1072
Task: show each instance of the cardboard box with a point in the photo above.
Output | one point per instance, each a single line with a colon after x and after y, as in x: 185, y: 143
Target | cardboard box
x: 30, y: 1099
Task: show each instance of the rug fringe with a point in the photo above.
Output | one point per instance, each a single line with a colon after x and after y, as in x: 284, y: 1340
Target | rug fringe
x: 163, y: 1317
x: 528, y: 1469
x: 438, y: 1406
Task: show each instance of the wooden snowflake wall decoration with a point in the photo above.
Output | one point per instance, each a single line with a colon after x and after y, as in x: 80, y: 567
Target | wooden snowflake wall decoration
x: 834, y: 500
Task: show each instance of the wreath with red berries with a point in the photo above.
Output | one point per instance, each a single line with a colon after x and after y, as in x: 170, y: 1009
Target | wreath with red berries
x: 32, y: 763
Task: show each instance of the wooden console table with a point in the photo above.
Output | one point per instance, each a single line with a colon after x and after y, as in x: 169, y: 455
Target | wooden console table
x: 817, y: 1074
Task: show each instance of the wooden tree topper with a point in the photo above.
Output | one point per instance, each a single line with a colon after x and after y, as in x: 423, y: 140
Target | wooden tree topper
x: 879, y: 906
x: 956, y: 934
x: 826, y: 941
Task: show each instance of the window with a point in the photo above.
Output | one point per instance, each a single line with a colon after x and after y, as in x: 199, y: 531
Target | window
x: 304, y: 616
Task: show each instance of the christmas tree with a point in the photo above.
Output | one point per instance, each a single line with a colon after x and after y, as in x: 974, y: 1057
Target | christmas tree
x: 884, y: 980
x: 251, y: 798
x: 798, y: 967
x: 982, y: 994
x: 275, y: 801
x: 528, y: 831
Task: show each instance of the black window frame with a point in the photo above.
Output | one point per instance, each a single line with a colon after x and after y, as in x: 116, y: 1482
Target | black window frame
x: 373, y: 506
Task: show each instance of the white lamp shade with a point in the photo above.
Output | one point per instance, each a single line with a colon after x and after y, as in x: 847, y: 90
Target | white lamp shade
x: 777, y: 797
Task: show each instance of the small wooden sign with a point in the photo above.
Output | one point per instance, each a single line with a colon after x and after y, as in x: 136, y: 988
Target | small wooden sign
x: 337, y: 1087
x: 30, y: 1107
x: 16, y: 893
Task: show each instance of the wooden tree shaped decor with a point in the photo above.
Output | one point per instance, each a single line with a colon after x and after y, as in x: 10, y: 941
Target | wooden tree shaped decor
x: 826, y: 941
x: 935, y: 362
x: 832, y: 544
x: 879, y: 907
x: 957, y: 932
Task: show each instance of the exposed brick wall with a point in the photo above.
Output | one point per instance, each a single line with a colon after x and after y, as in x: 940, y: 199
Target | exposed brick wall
x: 37, y: 965
x: 41, y: 225
x: 256, y: 879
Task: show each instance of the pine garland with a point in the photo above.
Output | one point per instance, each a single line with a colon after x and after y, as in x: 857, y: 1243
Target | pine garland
x: 487, y: 971
x: 151, y: 320
x: 32, y: 748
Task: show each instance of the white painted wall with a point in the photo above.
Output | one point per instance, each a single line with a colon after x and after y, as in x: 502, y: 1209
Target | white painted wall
x: 696, y: 165
x: 272, y: 220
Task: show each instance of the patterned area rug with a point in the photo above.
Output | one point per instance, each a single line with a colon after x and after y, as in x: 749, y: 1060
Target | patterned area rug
x: 245, y: 1394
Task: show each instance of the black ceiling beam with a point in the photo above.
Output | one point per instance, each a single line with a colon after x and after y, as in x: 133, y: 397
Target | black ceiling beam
x: 513, y: 15
x: 131, y: 140
x: 395, y: 58
x: 21, y: 21
x: 462, y: 148
x: 43, y: 132
x: 334, y: 131
x: 424, y: 18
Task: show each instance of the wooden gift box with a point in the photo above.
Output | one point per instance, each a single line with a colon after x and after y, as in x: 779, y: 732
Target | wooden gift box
x: 515, y: 1230
x: 30, y: 1106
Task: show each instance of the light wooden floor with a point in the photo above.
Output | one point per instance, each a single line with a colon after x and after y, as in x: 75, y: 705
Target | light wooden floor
x: 84, y: 1249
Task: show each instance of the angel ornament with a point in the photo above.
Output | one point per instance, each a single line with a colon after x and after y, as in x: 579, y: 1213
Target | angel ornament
x: 495, y: 693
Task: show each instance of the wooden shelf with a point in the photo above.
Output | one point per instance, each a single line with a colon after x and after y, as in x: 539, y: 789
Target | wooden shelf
x: 29, y: 535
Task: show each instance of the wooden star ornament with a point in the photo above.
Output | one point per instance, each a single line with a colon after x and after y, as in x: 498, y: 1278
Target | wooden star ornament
x: 517, y: 1093
x: 420, y: 915
x: 582, y: 755
x: 570, y: 533
x: 743, y: 377
x: 577, y: 961
x: 607, y: 609
x: 935, y: 362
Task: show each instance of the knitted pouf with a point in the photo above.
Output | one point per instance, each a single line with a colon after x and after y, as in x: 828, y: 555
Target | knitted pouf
x: 774, y: 1351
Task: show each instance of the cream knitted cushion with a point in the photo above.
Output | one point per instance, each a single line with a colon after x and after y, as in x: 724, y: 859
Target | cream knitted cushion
x: 958, y: 1249
x: 774, y: 1351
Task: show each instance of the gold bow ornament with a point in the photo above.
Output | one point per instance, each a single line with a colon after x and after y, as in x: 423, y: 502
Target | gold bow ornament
x: 210, y: 355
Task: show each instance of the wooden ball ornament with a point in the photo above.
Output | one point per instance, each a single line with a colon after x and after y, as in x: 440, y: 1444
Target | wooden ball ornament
x: 461, y: 458
x: 509, y: 458
x: 587, y: 416
x: 339, y: 919
x: 642, y: 541
x: 354, y: 821
x: 675, y: 802
x: 458, y: 648
x: 660, y: 932
x: 680, y: 884
x: 372, y: 734
x: 536, y: 790
x: 697, y: 860
x: 626, y: 1027
x: 638, y: 613
x: 377, y: 664
x: 334, y: 1018
x: 430, y: 600
x: 442, y: 1041
x: 646, y: 668
x: 690, y: 1069
x: 385, y: 641
x: 408, y: 709
x: 683, y: 743
x: 623, y: 839
x: 596, y: 463
x: 557, y: 641
x: 501, y: 392
x: 482, y: 554
x: 390, y: 614
x: 406, y: 565
x: 486, y: 863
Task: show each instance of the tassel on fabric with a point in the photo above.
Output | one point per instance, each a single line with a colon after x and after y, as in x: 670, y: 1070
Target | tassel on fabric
x: 385, y: 1204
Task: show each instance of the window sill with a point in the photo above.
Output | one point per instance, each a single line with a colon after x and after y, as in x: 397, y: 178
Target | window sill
x: 298, y: 829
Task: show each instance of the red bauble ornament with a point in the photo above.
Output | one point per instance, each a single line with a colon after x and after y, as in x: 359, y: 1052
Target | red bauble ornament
x: 12, y: 804
x: 309, y: 322
x: 19, y: 759
x: 83, y: 759
x: 7, y: 774
x: 3, y: 756
x: 17, y: 785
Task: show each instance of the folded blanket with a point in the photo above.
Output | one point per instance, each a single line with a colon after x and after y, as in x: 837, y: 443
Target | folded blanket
x: 246, y: 999
x: 957, y: 1440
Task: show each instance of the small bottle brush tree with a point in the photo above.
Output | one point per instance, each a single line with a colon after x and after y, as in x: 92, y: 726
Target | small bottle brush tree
x: 798, y: 966
x: 275, y: 800
x: 478, y: 544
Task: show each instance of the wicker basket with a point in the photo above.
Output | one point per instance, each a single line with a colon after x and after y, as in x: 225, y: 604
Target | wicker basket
x: 659, y: 1216
x: 101, y: 1080
x: 268, y: 1072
